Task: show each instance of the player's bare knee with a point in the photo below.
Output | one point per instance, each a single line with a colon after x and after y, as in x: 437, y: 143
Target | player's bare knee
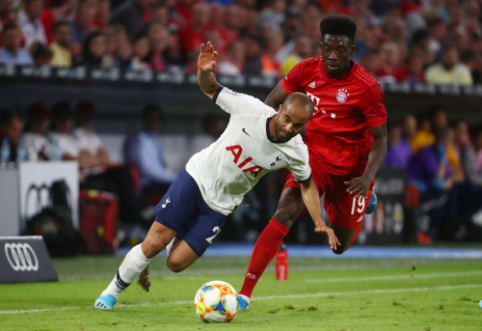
x: 152, y: 248
x: 175, y: 265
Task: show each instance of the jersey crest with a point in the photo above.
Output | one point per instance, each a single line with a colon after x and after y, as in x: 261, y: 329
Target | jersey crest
x: 342, y: 95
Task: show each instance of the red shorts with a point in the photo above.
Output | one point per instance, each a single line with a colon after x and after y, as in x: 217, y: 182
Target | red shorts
x: 343, y: 209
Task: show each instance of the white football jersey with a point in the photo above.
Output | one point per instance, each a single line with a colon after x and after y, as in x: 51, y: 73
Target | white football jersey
x: 232, y: 165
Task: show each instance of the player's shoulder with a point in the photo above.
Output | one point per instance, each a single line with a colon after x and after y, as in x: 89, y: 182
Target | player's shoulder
x: 295, y: 143
x: 312, y: 64
x: 362, y: 77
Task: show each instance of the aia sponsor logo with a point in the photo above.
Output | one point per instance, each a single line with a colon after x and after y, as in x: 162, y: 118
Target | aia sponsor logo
x: 244, y: 165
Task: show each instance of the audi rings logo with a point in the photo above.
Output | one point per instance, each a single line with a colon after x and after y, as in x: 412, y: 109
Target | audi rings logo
x: 21, y: 257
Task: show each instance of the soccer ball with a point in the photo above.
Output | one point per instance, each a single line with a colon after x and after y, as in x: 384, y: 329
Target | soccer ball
x: 216, y: 301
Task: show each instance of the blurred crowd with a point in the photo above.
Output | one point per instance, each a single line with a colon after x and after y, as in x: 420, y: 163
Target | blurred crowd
x: 428, y: 41
x: 443, y: 161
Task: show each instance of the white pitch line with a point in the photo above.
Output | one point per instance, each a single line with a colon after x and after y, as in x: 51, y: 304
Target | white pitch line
x: 398, y: 277
x: 289, y: 296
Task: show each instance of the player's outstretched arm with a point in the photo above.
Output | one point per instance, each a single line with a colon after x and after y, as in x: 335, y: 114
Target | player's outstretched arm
x: 276, y: 97
x: 310, y: 196
x: 206, y: 63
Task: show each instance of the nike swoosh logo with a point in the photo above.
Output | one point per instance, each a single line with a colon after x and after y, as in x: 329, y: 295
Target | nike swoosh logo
x: 244, y: 130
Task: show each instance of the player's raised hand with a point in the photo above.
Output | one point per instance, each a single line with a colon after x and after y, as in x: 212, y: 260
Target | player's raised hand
x: 358, y: 186
x: 207, y: 57
x: 333, y: 241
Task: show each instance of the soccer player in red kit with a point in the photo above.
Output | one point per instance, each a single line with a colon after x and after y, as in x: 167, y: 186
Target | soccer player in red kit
x: 346, y: 139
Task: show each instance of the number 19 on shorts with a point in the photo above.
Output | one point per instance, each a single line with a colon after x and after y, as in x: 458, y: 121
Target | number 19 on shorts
x: 358, y: 205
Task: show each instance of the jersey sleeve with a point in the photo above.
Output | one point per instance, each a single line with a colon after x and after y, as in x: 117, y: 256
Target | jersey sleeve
x: 237, y: 103
x: 292, y: 82
x: 299, y: 163
x: 372, y: 106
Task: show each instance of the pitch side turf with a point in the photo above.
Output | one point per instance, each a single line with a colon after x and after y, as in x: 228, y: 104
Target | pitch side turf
x: 321, y: 294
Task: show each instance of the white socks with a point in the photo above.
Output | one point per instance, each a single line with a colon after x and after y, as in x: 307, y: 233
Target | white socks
x: 134, y: 263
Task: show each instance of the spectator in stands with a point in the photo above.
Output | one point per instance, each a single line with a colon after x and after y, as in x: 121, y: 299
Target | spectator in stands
x: 429, y: 171
x: 7, y: 14
x: 83, y: 23
x: 160, y: 14
x: 233, y: 63
x: 173, y: 56
x: 11, y: 127
x: 271, y: 16
x: 140, y: 61
x: 102, y: 14
x: 11, y: 52
x: 274, y: 42
x: 30, y: 24
x: 37, y: 123
x: 292, y: 28
x: 412, y: 71
x: 471, y: 189
x: 253, y: 64
x: 302, y: 51
x: 119, y: 50
x: 41, y: 54
x: 215, y: 26
x: 399, y: 150
x: 61, y: 45
x: 86, y: 137
x: 158, y: 42
x: 59, y: 136
x: 144, y: 151
x: 478, y: 148
x: 94, y: 52
x: 135, y: 15
x: 421, y: 47
x: 437, y: 31
x: 424, y: 138
x: 409, y: 128
x: 191, y: 36
x: 371, y: 62
x: 86, y: 148
x: 449, y: 71
x: 390, y: 56
x: 60, y: 10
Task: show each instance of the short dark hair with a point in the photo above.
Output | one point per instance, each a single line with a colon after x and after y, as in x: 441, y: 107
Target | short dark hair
x: 435, y: 109
x: 152, y: 108
x: 339, y: 25
x: 58, y: 24
x: 61, y: 110
x: 419, y: 35
x: 8, y: 115
x: 40, y: 51
x: 10, y: 26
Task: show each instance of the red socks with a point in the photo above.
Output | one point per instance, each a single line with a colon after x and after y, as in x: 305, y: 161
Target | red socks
x: 263, y: 252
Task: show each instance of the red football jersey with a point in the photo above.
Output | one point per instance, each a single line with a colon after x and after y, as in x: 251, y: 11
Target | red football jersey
x: 338, y: 135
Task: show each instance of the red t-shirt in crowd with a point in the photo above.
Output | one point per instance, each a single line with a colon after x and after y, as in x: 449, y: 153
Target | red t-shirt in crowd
x: 191, y: 39
x: 338, y: 135
x: 48, y: 20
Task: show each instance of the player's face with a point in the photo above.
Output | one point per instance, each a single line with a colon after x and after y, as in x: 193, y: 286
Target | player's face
x: 336, y: 51
x: 289, y: 122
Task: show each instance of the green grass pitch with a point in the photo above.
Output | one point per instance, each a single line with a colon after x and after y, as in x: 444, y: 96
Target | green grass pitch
x: 321, y: 294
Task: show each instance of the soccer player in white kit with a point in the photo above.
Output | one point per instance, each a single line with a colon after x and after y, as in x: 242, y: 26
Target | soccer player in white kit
x: 193, y: 211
